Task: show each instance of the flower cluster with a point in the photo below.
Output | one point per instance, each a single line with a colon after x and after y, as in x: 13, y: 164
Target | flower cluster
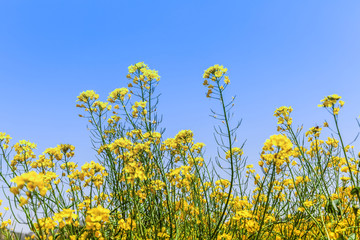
x: 331, y: 101
x: 235, y: 152
x: 24, y: 151
x: 135, y: 107
x: 144, y: 71
x: 96, y: 217
x: 283, y: 116
x: 277, y: 150
x: 4, y: 138
x: 143, y: 77
x: 214, y: 74
x: 118, y: 93
x: 87, y: 95
x: 33, y: 180
x: 145, y: 186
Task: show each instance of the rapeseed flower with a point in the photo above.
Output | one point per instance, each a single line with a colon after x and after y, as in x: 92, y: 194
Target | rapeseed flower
x: 87, y: 95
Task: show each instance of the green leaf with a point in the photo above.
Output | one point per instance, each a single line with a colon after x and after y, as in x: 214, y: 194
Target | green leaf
x: 352, y: 236
x: 332, y: 206
x: 355, y: 190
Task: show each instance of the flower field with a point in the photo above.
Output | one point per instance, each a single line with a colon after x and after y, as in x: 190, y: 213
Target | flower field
x: 146, y: 187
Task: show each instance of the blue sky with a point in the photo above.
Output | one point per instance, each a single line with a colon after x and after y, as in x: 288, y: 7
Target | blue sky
x: 278, y: 53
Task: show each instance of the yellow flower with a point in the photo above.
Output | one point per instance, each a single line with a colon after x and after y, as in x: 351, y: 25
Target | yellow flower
x: 223, y: 182
x: 98, y: 234
x: 216, y: 70
x: 14, y: 190
x: 4, y: 224
x: 235, y: 152
x: 85, y: 96
x: 19, y: 180
x: 283, y: 115
x: 215, y: 73
x: 224, y: 236
x: 282, y: 147
x: 23, y: 201
x: 308, y: 204
x: 314, y: 131
x: 345, y: 178
x: 118, y: 93
x: 5, y: 137
x: 330, y: 101
x: 144, y: 70
x: 96, y: 215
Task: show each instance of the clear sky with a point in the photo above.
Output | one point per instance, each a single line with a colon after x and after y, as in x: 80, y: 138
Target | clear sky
x: 278, y: 53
